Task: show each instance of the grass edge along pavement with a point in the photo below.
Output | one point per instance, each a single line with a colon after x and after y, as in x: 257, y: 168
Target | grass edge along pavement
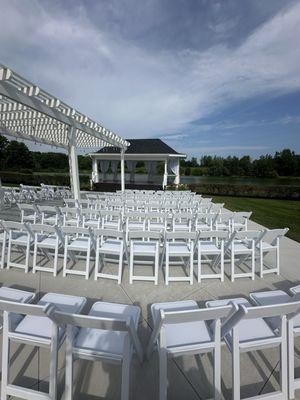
x: 271, y: 213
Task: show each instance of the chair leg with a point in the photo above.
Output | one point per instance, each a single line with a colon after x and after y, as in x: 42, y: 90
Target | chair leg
x: 291, y: 361
x: 126, y: 370
x: 65, y: 260
x: 253, y: 263
x: 191, y: 267
x: 8, y: 253
x: 236, y: 390
x: 277, y: 260
x: 232, y: 266
x: 53, y: 364
x: 222, y: 264
x: 120, y: 269
x: 261, y: 260
x: 5, y: 362
x: 87, y: 267
x: 131, y: 257
x: 284, y: 363
x: 199, y: 275
x: 3, y: 253
x: 167, y: 266
x: 96, y: 262
x: 69, y: 365
x: 156, y: 266
x: 163, y: 375
x: 55, y: 260
x: 27, y: 255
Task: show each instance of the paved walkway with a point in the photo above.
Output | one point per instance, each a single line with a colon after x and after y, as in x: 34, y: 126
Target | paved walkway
x: 189, y: 377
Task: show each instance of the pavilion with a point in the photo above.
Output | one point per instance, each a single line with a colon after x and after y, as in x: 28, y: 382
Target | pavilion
x: 149, y: 151
x: 29, y: 113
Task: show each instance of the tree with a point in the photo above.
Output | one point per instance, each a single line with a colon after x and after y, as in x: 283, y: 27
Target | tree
x: 264, y: 167
x: 3, y: 146
x: 18, y: 156
x: 285, y: 162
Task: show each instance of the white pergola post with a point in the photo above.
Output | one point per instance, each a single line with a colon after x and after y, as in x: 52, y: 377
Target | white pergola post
x: 165, y: 179
x: 122, y: 170
x: 73, y: 163
x: 95, y: 173
x: 177, y: 172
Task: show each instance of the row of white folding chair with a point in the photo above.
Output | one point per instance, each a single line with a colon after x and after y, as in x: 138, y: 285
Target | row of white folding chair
x: 182, y: 328
x: 51, y: 321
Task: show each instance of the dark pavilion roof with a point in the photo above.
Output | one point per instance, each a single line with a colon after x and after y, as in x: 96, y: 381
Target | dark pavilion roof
x: 142, y: 146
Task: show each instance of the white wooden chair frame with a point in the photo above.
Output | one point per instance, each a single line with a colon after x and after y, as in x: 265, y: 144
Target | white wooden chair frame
x: 182, y: 316
x: 189, y: 239
x: 72, y: 234
x: 217, y: 238
x: 100, y: 237
x: 116, y: 323
x: 146, y: 237
x: 277, y: 234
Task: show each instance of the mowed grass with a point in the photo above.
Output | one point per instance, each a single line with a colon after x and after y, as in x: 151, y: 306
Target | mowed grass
x: 268, y: 212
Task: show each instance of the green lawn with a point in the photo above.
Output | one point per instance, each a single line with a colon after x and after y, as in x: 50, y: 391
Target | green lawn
x: 268, y: 212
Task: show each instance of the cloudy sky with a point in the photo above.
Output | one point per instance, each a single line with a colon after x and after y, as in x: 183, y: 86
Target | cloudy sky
x: 206, y: 76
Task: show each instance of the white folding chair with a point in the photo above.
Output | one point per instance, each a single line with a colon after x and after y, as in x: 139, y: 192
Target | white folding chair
x: 211, y: 243
x: 253, y: 333
x: 144, y: 244
x: 29, y: 213
x: 21, y: 238
x: 270, y: 243
x: 90, y: 218
x: 279, y: 297
x: 70, y: 216
x: 182, y: 221
x: 34, y: 329
x: 134, y: 221
x: 108, y: 333
x: 111, y: 219
x: 241, y: 245
x: 47, y: 238
x: 156, y: 221
x: 223, y: 222
x: 14, y: 295
x: 77, y: 241
x: 109, y: 243
x: 179, y: 245
x: 240, y: 220
x: 204, y: 221
x: 181, y: 328
x: 50, y: 215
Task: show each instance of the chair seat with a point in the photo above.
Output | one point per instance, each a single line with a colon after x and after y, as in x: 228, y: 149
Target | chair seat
x: 274, y: 297
x: 41, y: 327
x: 136, y: 225
x: 2, y: 236
x: 92, y: 222
x: 102, y: 341
x: 181, y: 225
x: 47, y: 241
x: 20, y: 238
x: 240, y: 247
x: 50, y: 218
x: 208, y: 247
x: 179, y: 248
x: 111, y: 246
x: 81, y: 243
x: 203, y: 227
x: 144, y: 247
x: 111, y: 224
x: 182, y: 334
x: 248, y: 329
x: 156, y: 225
x: 267, y: 246
x: 11, y: 294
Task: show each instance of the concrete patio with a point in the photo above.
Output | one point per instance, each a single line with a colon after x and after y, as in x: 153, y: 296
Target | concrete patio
x: 189, y: 377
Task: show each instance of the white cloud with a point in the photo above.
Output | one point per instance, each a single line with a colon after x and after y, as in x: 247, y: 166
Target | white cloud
x: 139, y: 92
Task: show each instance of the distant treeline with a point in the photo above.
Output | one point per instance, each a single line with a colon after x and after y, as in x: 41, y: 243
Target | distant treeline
x: 283, y: 163
x: 15, y: 156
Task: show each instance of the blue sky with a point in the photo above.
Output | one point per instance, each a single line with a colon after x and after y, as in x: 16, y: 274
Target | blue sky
x: 207, y: 76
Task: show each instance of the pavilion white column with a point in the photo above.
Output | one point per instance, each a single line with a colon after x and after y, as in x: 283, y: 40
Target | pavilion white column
x: 122, y: 170
x: 165, y: 179
x: 73, y: 163
x: 177, y: 172
x: 95, y: 170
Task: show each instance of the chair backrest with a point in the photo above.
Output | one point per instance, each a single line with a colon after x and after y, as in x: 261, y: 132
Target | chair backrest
x: 74, y: 230
x: 180, y: 235
x: 272, y: 235
x: 45, y: 228
x: 250, y: 235
x: 149, y: 235
x: 13, y: 226
x: 108, y: 233
x: 222, y: 235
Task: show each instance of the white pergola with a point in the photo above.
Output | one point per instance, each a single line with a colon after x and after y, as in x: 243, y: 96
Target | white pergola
x: 30, y: 113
